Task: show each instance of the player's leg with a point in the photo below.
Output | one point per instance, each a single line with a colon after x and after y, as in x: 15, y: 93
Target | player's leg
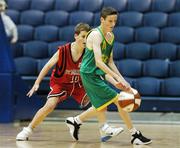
x: 44, y: 111
x: 97, y: 90
x: 106, y: 131
x: 38, y: 118
x: 136, y: 136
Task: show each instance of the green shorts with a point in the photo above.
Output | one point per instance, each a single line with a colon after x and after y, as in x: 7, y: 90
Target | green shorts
x: 97, y: 89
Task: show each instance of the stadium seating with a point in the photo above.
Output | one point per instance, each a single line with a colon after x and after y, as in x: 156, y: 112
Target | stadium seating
x: 155, y: 19
x: 17, y: 50
x: 57, y: 18
x: 90, y: 5
x: 42, y: 5
x: 26, y: 66
x: 171, y: 87
x: 131, y: 19
x: 36, y: 49
x: 178, y: 52
x: 138, y: 50
x: 81, y: 16
x: 66, y: 5
x: 147, y: 35
x: 163, y: 5
x: 25, y: 33
x: 32, y: 17
x: 118, y: 5
x: 139, y: 5
x: 147, y: 38
x: 46, y: 33
x: 96, y: 21
x: 19, y: 5
x: 118, y: 51
x: 156, y: 68
x: 170, y: 34
x: 148, y: 86
x: 164, y: 51
x: 52, y: 47
x: 130, y: 67
x: 174, y: 19
x: 174, y: 68
x: 124, y: 34
x: 40, y: 65
x: 66, y: 33
x: 177, y: 5
x: 131, y: 81
x: 14, y: 15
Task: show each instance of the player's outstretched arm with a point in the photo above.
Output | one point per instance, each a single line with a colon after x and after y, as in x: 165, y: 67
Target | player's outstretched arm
x: 43, y: 73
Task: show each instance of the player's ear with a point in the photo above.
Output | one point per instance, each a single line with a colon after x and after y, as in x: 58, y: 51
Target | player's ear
x: 75, y: 36
x: 102, y: 19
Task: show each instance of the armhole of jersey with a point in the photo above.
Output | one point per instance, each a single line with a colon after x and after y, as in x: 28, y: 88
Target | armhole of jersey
x: 61, y: 66
x: 112, y: 42
x: 99, y: 29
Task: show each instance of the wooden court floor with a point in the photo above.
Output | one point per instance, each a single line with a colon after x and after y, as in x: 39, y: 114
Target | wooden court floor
x: 56, y: 135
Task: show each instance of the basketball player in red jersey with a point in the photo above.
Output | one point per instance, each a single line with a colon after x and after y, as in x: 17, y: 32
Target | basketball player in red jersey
x: 65, y: 81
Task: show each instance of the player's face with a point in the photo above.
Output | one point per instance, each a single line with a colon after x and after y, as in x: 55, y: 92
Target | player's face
x: 109, y: 22
x: 2, y: 7
x: 81, y: 39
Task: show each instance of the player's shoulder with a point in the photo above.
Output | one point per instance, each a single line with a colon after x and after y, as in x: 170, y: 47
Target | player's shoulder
x: 95, y: 33
x: 64, y: 46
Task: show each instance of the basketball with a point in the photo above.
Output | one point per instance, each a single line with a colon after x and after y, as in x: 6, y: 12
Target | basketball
x: 129, y: 102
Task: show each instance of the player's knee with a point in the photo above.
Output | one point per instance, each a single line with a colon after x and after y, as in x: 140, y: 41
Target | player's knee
x: 50, y: 105
x: 117, y: 105
x: 116, y: 102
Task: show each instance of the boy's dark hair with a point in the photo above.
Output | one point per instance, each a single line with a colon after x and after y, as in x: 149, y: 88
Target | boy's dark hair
x: 82, y: 27
x: 108, y: 11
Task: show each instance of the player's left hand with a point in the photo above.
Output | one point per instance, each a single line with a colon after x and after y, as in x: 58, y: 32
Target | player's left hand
x: 14, y: 40
x: 33, y: 89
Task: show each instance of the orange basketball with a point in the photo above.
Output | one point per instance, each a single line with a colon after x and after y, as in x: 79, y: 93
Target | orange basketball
x: 129, y: 102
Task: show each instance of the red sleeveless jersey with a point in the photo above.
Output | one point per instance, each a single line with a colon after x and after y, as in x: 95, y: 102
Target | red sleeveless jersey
x: 66, y: 70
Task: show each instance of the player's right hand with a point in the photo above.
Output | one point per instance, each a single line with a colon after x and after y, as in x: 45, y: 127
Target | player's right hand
x: 124, y: 86
x: 33, y: 89
x: 120, y: 86
x: 129, y: 90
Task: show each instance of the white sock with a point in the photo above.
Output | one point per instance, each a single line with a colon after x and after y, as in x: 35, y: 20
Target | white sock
x: 30, y: 128
x: 133, y: 131
x: 103, y: 126
x: 78, y: 120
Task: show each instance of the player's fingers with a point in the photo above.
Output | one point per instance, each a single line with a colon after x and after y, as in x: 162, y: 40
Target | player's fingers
x: 30, y: 93
x: 129, y: 90
x: 120, y: 86
x: 36, y: 88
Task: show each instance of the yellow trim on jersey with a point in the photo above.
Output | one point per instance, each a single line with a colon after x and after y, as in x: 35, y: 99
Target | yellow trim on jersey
x: 89, y: 48
x: 109, y: 42
x: 108, y: 103
x: 112, y: 39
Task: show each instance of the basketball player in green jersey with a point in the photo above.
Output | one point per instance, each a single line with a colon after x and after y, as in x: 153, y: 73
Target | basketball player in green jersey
x: 96, y: 65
